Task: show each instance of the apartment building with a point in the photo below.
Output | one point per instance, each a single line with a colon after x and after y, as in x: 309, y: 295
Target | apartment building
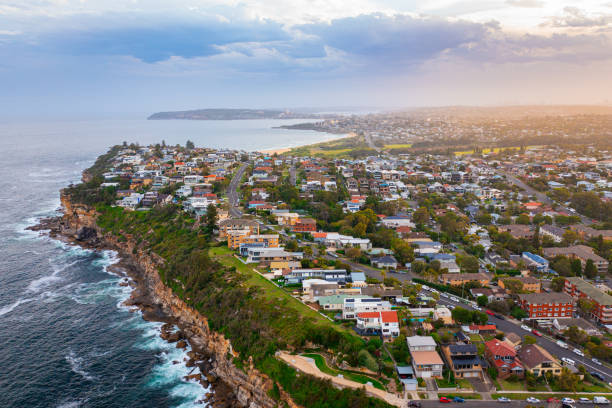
x: 547, y: 305
x: 305, y: 225
x: 235, y: 240
x: 582, y: 252
x: 578, y: 288
x: 458, y: 279
x: 242, y: 226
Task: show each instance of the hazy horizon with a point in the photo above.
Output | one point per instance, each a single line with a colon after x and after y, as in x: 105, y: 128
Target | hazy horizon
x: 73, y: 57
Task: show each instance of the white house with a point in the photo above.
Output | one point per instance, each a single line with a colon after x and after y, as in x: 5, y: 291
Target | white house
x: 353, y: 306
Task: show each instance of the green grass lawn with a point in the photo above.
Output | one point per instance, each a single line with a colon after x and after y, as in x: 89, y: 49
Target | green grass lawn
x: 464, y: 384
x: 226, y: 256
x: 359, y: 378
x: 466, y: 396
x: 475, y: 338
x: 444, y: 383
x: 512, y: 386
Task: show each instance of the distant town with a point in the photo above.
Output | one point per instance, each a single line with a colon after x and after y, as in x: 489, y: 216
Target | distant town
x: 469, y: 275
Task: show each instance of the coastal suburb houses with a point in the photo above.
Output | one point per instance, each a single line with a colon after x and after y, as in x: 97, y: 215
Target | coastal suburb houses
x: 578, y: 288
x: 582, y: 252
x: 504, y: 357
x: 547, y: 305
x: 538, y: 361
x: 426, y: 361
x: 463, y: 360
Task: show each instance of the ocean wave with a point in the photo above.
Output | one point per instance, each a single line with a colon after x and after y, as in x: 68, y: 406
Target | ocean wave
x: 76, y: 365
x: 9, y: 308
x: 71, y: 404
x: 38, y: 284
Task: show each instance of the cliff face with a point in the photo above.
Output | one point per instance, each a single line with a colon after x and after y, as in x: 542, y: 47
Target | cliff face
x: 250, y: 388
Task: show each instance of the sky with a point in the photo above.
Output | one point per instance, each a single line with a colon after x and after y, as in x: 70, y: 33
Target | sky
x: 73, y: 57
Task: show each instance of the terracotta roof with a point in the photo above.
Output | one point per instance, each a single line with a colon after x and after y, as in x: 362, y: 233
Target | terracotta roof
x: 426, y: 357
x: 499, y: 348
x: 389, y: 316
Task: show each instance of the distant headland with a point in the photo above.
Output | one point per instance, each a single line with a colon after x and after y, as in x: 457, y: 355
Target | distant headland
x: 234, y: 114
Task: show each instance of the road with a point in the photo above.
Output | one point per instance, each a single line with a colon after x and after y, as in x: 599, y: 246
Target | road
x: 293, y: 175
x: 486, y: 404
x: 232, y: 192
x: 543, y: 198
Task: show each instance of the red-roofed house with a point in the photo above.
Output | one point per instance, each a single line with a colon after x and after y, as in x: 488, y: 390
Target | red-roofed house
x: 503, y: 356
x: 487, y: 329
x: 384, y: 322
x: 532, y: 205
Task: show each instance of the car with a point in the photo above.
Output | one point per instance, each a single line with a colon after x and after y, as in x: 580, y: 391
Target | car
x: 443, y: 294
x: 445, y: 400
x: 414, y: 404
x: 552, y: 399
x: 500, y: 317
x: 584, y: 400
x: 600, y: 400
x: 532, y: 400
x: 568, y: 361
x: 503, y: 399
x: 537, y: 333
x: 458, y: 399
x: 425, y: 287
x: 454, y: 299
x: 451, y: 307
x: 595, y: 374
x: 432, y: 290
x: 478, y: 308
x: 490, y: 313
x: 562, y: 344
x: 578, y: 352
x: 568, y: 400
x: 525, y: 327
x: 596, y: 361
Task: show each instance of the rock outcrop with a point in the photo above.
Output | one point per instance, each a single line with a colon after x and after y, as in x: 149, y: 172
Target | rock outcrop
x: 212, y: 352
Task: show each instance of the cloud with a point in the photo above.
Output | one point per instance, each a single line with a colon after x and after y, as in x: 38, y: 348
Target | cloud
x: 525, y: 3
x: 575, y: 18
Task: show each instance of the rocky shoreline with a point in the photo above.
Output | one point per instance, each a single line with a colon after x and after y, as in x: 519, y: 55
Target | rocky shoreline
x: 210, y: 351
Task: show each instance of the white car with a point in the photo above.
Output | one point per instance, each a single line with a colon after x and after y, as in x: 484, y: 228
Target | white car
x: 596, y: 361
x: 503, y: 399
x: 525, y: 327
x: 568, y: 361
x: 478, y: 308
x: 600, y: 400
x: 562, y: 344
x: 432, y: 290
x: 567, y: 400
x: 454, y: 299
x: 532, y: 400
x: 579, y: 352
x: 584, y: 400
x: 443, y: 294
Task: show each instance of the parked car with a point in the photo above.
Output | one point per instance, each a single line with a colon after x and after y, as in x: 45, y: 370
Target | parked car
x: 500, y: 317
x: 596, y: 361
x: 525, y: 327
x: 595, y: 374
x: 537, y: 333
x: 478, y: 308
x: 454, y: 299
x: 562, y: 344
x: 568, y: 400
x: 458, y: 399
x: 552, y: 399
x: 584, y: 400
x: 532, y: 400
x: 414, y: 404
x: 445, y: 400
x: 578, y: 352
x: 490, y: 313
x: 503, y: 399
x: 600, y: 400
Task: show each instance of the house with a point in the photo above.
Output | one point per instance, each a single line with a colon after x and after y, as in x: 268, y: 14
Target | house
x: 513, y: 339
x: 352, y: 306
x: 265, y: 256
x: 248, y: 227
x: 561, y: 325
x: 538, y: 361
x: 463, y: 360
x: 535, y: 261
x: 582, y: 252
x: 426, y: 361
x: 458, y: 279
x: 358, y: 279
x: 329, y: 275
x: 236, y: 239
x: 335, y: 302
x: 492, y: 294
x: 517, y: 231
x: 483, y: 330
x: 305, y: 225
x: 444, y: 314
x: 530, y: 284
x: 503, y: 356
x: 552, y: 232
x: 578, y: 288
x: 384, y: 262
x: 287, y: 218
x: 384, y: 323
x: 547, y: 305
x: 397, y: 221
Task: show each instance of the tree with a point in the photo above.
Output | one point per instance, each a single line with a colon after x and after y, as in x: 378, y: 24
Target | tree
x: 522, y: 219
x: 576, y: 267
x: 499, y: 306
x: 562, y: 265
x: 211, y: 218
x: 468, y: 263
x: 567, y: 381
x: 569, y: 237
x: 421, y: 216
x: 514, y: 286
x: 590, y: 270
x: 482, y: 300
x: 461, y: 315
x: 585, y: 306
x: 403, y: 251
x: 529, y: 340
x: 189, y: 145
x: 353, y: 253
x: 291, y: 245
x: 557, y: 284
x: 308, y: 251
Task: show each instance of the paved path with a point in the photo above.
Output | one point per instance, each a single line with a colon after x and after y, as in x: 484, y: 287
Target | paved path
x: 308, y: 366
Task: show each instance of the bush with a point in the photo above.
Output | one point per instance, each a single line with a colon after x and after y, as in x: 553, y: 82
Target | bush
x: 365, y: 359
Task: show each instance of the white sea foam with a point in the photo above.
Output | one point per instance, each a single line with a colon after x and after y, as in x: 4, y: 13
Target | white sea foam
x: 9, y: 308
x: 38, y: 284
x: 76, y: 365
x: 70, y: 404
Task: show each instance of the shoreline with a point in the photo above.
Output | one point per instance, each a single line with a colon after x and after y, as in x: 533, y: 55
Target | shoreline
x: 283, y: 150
x: 218, y: 393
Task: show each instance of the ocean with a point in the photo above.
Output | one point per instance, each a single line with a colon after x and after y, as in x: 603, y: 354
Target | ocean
x: 66, y: 340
